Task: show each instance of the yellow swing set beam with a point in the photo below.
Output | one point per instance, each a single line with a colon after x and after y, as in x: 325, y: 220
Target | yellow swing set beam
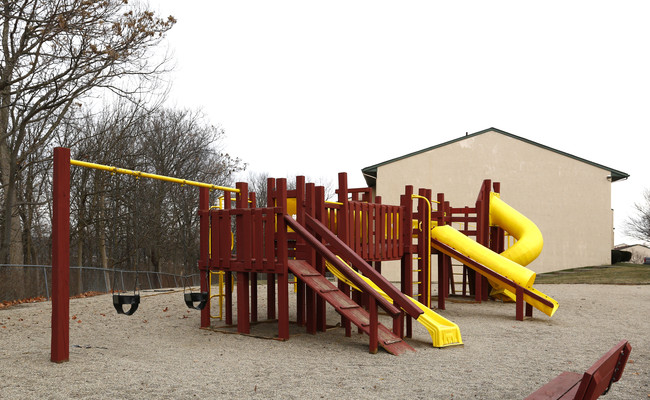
x: 140, y: 174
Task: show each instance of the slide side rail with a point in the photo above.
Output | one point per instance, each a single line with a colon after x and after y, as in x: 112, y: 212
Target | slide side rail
x: 487, y: 272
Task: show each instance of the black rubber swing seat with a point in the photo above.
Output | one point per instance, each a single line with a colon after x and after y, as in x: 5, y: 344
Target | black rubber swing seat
x: 120, y: 300
x: 192, y: 298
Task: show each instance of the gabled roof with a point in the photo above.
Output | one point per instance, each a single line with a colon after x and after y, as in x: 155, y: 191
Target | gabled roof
x: 370, y: 173
x: 627, y: 246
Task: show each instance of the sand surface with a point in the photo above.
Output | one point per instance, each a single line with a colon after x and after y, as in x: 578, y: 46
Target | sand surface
x: 160, y: 352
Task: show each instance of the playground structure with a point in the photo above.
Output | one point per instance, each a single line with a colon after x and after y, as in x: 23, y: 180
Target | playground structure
x: 298, y: 232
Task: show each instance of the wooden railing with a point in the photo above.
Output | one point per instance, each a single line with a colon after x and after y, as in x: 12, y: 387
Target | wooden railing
x: 373, y: 229
x: 254, y: 247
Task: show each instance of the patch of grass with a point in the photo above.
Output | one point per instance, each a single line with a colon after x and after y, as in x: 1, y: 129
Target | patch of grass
x: 618, y: 274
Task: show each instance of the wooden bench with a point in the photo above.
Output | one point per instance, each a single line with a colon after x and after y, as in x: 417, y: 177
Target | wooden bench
x: 593, y: 383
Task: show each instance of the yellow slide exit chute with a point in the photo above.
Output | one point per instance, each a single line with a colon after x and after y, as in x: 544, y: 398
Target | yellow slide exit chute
x: 443, y: 332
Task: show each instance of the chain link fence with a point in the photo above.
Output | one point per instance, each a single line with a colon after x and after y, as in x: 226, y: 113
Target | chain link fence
x: 29, y: 281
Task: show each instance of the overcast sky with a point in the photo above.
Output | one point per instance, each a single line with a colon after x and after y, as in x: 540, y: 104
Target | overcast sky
x: 317, y: 88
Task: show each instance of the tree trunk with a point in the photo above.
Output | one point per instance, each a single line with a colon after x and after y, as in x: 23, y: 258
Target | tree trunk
x: 11, y: 247
x: 12, y: 243
x: 101, y: 230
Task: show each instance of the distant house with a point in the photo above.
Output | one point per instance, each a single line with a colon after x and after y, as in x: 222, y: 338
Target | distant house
x: 639, y: 251
x: 568, y: 197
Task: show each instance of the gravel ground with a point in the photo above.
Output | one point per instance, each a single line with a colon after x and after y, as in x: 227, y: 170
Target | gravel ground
x: 160, y: 352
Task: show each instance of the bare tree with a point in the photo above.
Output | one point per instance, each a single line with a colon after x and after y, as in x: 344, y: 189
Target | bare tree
x: 118, y: 221
x: 55, y: 53
x: 638, y: 225
x: 257, y: 182
x: 183, y: 144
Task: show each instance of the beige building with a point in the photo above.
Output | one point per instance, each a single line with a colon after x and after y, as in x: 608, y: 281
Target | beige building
x: 639, y: 252
x: 569, y: 198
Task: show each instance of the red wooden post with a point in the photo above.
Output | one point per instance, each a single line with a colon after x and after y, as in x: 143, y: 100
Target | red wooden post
x: 398, y: 325
x: 343, y: 232
x: 353, y: 224
x: 226, y: 238
x: 443, y: 276
x: 483, y: 216
x: 406, y: 272
x: 257, y: 254
x: 283, y: 274
x: 496, y: 234
x: 243, y: 311
x: 321, y: 215
x: 204, y: 250
x: 243, y: 250
x: 481, y: 229
x: 377, y: 249
x: 60, y: 346
x: 443, y: 272
x: 355, y: 243
x: 519, y: 305
x: 374, y: 322
x: 300, y: 247
x: 397, y: 238
x: 529, y: 310
x: 253, y: 283
x: 270, y: 278
x: 310, y: 256
x: 283, y: 306
x: 357, y: 297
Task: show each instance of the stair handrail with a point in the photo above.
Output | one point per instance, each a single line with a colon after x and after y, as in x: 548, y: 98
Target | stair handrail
x: 333, y: 259
x: 359, y: 263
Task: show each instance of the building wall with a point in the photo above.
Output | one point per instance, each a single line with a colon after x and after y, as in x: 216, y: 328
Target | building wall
x: 569, y: 200
x: 639, y: 252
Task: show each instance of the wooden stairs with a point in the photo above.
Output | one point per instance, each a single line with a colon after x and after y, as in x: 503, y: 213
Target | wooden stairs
x: 346, y: 307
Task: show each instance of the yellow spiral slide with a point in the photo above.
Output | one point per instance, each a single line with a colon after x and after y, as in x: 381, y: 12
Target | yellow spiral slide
x: 511, y: 263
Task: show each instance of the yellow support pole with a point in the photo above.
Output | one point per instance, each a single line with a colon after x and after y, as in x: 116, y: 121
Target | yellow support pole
x: 220, y: 294
x: 140, y: 174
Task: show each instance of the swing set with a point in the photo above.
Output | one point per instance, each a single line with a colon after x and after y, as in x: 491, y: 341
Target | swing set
x: 61, y: 250
x: 193, y: 300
